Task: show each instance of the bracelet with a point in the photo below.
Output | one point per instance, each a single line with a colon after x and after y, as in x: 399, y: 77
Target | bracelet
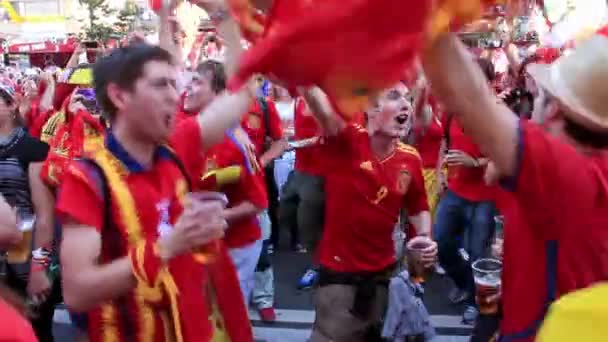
x: 41, y: 256
x: 218, y: 16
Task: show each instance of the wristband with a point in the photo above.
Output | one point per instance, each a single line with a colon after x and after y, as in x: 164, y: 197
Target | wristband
x: 41, y: 257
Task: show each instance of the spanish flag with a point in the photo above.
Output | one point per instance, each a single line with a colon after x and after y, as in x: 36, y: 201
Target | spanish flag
x: 352, y: 49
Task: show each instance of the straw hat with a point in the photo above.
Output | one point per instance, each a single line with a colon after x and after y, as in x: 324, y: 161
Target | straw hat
x: 580, y: 82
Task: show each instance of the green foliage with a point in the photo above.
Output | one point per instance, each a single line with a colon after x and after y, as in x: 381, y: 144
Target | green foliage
x: 95, y: 29
x: 127, y: 17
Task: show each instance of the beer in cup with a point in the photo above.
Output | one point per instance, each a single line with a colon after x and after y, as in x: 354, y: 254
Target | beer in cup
x: 21, y: 252
x: 486, y: 273
x: 415, y: 266
x: 206, y: 254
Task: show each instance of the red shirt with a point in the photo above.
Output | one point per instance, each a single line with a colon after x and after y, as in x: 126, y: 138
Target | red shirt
x: 560, y: 195
x: 250, y: 188
x: 155, y: 192
x: 308, y: 159
x: 253, y: 124
x: 363, y: 198
x: 186, y: 144
x: 428, y: 141
x: 466, y: 182
x: 14, y: 328
x: 181, y: 115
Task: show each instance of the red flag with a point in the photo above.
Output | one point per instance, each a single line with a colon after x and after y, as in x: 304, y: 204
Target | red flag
x: 351, y: 48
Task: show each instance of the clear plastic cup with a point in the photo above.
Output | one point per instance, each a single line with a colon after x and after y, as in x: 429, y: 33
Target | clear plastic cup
x: 487, y: 275
x: 208, y: 253
x: 21, y: 252
x: 418, y: 271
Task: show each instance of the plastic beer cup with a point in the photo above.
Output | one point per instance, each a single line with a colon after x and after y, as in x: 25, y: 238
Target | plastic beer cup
x: 487, y: 273
x: 417, y: 269
x: 206, y: 254
x: 21, y: 252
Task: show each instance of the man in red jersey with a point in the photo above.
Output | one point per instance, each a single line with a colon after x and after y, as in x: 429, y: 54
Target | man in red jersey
x: 247, y: 198
x: 129, y: 230
x: 556, y: 174
x: 374, y: 176
x: 303, y: 196
x: 465, y: 212
x: 263, y: 125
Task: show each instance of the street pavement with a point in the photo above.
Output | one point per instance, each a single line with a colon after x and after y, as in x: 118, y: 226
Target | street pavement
x: 295, y: 313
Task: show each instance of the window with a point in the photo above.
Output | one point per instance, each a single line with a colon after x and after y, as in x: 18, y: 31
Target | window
x: 36, y: 7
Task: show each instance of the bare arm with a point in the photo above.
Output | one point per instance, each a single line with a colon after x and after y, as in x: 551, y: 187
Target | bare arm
x: 166, y: 34
x: 46, y: 101
x: 422, y: 223
x: 241, y: 211
x: 74, y: 58
x: 462, y: 87
x: 275, y: 151
x: 80, y: 250
x: 44, y: 206
x: 227, y: 108
x: 323, y: 111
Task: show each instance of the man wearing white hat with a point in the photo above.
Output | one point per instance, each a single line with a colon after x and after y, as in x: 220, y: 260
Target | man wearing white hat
x: 555, y: 172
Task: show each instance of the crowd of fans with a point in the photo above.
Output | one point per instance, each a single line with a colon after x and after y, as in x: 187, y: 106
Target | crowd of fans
x: 147, y: 197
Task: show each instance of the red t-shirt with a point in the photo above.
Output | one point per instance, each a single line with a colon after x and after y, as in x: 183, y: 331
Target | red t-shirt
x: 14, y: 328
x: 363, y: 198
x: 466, y: 182
x: 560, y: 194
x: 253, y: 124
x: 186, y: 142
x: 428, y: 141
x: 308, y: 159
x: 181, y: 115
x: 250, y: 187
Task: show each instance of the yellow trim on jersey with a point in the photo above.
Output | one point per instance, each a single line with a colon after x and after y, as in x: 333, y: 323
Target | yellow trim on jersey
x: 408, y: 149
x: 51, y: 126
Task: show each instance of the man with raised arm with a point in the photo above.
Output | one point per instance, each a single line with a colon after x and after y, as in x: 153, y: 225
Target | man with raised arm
x: 129, y: 227
x: 555, y: 169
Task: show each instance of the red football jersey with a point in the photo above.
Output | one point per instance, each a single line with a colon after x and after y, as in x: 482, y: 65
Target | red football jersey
x: 560, y: 197
x: 428, y: 141
x: 308, y: 159
x: 156, y: 193
x: 250, y: 187
x: 186, y: 141
x: 466, y: 182
x: 363, y: 198
x: 253, y: 124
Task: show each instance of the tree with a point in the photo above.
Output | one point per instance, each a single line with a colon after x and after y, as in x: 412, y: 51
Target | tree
x: 128, y: 16
x: 97, y: 29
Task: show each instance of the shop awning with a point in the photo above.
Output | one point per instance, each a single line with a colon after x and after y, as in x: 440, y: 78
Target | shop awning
x: 42, y: 47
